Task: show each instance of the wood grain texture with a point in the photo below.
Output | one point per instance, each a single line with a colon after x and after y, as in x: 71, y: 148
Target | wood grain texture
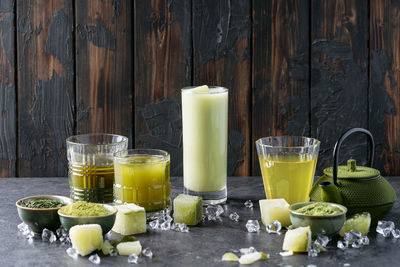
x: 280, y: 70
x: 339, y: 77
x: 163, y: 65
x: 45, y: 85
x: 384, y: 93
x: 104, y: 81
x: 221, y: 56
x: 8, y: 141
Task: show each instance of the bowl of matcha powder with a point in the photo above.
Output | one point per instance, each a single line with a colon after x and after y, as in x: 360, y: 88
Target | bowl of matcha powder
x: 82, y: 212
x: 323, y: 217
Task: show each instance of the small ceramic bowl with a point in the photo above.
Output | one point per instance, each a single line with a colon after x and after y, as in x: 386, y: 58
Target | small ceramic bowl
x: 38, y: 219
x: 106, y: 221
x: 319, y: 224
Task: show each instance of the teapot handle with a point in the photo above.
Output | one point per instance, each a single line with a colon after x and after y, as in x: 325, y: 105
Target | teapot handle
x: 339, y: 143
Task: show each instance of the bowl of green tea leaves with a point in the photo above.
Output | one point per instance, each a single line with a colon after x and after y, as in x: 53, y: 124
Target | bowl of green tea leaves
x: 40, y: 212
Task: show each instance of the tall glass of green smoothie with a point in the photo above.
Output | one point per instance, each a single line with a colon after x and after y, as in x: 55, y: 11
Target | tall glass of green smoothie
x: 205, y: 142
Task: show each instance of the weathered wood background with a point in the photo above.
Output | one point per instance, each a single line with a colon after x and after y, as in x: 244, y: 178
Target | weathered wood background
x: 298, y: 67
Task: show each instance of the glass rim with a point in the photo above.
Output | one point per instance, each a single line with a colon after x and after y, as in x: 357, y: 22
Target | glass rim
x: 70, y: 138
x: 224, y: 89
x: 258, y: 142
x: 129, y: 153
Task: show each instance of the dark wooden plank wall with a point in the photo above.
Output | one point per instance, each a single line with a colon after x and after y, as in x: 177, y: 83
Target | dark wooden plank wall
x: 312, y: 67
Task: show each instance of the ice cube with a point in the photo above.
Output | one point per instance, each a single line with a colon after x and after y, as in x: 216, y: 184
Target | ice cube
x: 274, y: 227
x: 355, y: 233
x: 249, y: 250
x: 343, y: 244
x: 95, y: 259
x: 385, y: 228
x: 183, y: 228
x: 234, y: 217
x: 357, y: 243
x: 323, y: 240
x: 113, y: 252
x: 154, y: 224
x: 364, y: 240
x: 22, y: 227
x: 248, y: 204
x: 313, y: 252
x: 348, y: 237
x: 133, y: 259
x: 252, y: 226
x: 72, y: 253
x: 147, y: 253
x: 396, y: 233
x: 61, y: 232
x: 48, y: 236
x: 166, y: 224
x: 214, y: 211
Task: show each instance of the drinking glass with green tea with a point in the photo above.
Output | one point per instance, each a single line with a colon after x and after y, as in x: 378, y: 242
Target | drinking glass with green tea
x: 91, y: 165
x: 142, y: 176
x: 287, y: 166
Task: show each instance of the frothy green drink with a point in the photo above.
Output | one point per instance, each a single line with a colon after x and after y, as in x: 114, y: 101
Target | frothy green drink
x: 205, y: 142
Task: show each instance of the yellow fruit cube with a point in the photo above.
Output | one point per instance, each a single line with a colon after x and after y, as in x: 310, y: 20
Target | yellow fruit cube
x: 297, y: 240
x: 274, y: 209
x: 86, y: 238
x: 127, y: 248
x: 130, y: 220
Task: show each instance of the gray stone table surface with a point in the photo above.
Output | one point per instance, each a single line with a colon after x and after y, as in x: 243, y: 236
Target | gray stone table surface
x: 202, y: 246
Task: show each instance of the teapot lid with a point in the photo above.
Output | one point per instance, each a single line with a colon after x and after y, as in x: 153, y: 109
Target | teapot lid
x: 351, y: 170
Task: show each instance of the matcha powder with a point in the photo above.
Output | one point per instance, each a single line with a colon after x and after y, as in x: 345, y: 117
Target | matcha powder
x: 84, y: 209
x: 319, y: 209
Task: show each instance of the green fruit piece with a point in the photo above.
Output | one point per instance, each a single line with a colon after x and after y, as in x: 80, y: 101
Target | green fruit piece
x: 107, y: 246
x: 274, y: 209
x: 359, y: 222
x: 252, y: 257
x: 188, y: 209
x: 130, y: 220
x: 297, y: 240
x: 86, y: 238
x: 229, y: 256
x: 127, y: 238
x: 127, y: 248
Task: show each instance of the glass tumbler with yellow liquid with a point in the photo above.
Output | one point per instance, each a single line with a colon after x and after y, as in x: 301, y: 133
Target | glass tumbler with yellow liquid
x: 142, y: 176
x: 91, y: 165
x: 287, y: 166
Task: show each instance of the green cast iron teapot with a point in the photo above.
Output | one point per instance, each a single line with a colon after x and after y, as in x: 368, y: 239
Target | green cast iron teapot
x: 359, y: 188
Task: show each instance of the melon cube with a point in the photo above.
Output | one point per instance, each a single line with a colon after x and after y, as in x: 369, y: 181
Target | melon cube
x: 188, y: 209
x: 297, y: 240
x: 86, y: 238
x: 127, y: 248
x: 274, y: 209
x: 130, y: 220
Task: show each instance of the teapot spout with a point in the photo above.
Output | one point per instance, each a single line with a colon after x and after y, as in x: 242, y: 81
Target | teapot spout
x: 330, y: 193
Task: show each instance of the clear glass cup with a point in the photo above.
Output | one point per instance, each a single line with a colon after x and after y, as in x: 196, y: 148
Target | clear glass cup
x: 287, y: 166
x: 142, y: 176
x: 205, y: 142
x: 91, y: 165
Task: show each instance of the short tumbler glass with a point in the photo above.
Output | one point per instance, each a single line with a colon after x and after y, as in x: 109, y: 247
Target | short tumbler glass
x: 91, y: 165
x: 142, y: 176
x: 287, y: 166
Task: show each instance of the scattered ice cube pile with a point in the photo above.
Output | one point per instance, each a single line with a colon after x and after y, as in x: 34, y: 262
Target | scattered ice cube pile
x: 354, y: 239
x: 95, y: 259
x: 234, y: 217
x: 26, y: 231
x: 248, y: 204
x: 385, y: 228
x: 253, y: 226
x: 213, y: 212
x: 164, y: 222
x: 274, y: 228
x: 318, y: 245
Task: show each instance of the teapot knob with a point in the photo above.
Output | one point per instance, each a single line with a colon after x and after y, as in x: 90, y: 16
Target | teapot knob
x: 351, y: 165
